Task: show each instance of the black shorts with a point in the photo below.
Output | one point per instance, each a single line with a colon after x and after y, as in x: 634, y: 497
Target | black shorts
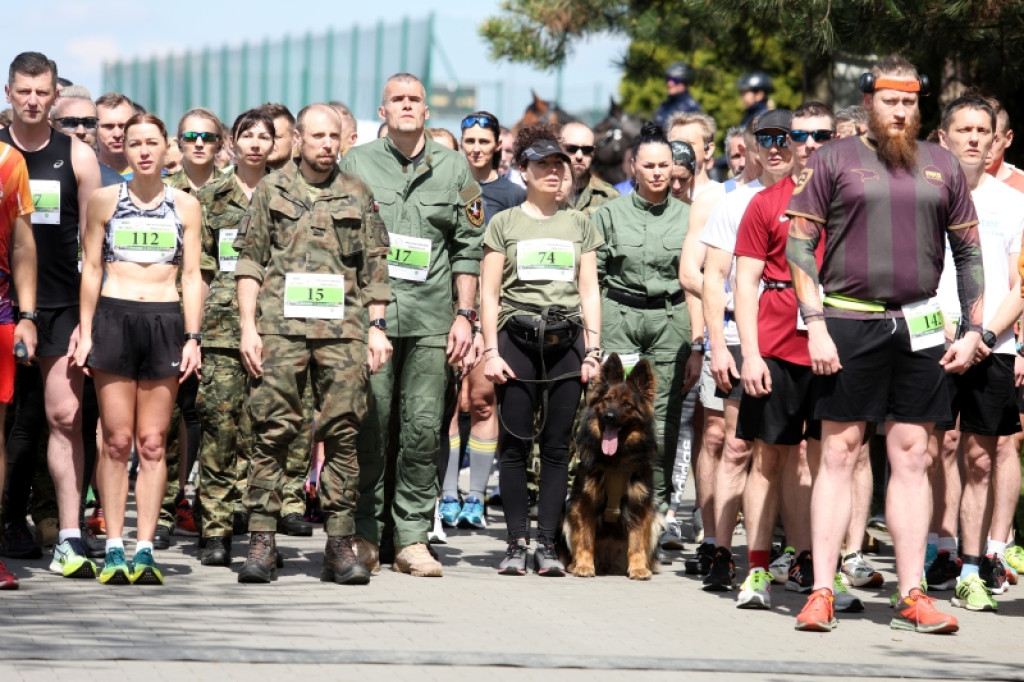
x: 736, y: 392
x: 137, y: 339
x: 882, y: 379
x: 783, y: 417
x: 985, y: 398
x: 54, y: 327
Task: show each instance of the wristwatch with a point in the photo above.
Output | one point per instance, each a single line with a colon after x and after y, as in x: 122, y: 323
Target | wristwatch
x: 380, y: 323
x: 1020, y: 349
x: 469, y: 314
x: 988, y: 337
x: 28, y: 315
x: 697, y: 347
x: 198, y: 338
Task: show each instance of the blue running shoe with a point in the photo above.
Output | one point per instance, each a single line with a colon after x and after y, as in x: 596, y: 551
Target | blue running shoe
x: 450, y: 510
x: 144, y: 570
x: 472, y: 514
x: 116, y: 570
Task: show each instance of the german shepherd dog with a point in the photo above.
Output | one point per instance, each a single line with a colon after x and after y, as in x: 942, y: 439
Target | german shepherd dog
x: 612, y: 524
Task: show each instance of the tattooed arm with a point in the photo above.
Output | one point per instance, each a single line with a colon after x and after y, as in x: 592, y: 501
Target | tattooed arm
x: 965, y: 244
x: 804, y: 235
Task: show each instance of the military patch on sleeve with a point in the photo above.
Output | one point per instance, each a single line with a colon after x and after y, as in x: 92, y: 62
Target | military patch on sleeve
x: 382, y: 235
x: 376, y: 206
x: 801, y: 182
x: 475, y: 212
x: 243, y: 225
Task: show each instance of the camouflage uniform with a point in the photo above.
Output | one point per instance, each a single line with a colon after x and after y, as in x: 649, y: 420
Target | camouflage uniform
x: 338, y: 233
x: 597, y: 193
x: 436, y: 200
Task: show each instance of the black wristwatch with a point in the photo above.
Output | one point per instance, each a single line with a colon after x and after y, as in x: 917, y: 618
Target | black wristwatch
x: 28, y: 315
x: 988, y: 337
x: 198, y: 338
x: 1020, y: 349
x: 380, y: 323
x: 469, y: 314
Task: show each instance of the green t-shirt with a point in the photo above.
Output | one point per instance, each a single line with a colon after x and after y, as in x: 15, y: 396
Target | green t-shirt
x: 542, y: 257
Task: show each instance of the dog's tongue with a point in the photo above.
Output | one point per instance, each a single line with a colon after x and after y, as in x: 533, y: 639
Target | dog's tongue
x: 610, y: 441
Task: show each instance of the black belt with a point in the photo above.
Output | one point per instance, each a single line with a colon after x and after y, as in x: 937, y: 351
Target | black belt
x: 644, y: 302
x: 775, y: 284
x: 554, y: 311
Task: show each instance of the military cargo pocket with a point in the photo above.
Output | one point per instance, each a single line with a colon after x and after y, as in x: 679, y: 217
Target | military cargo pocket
x: 348, y: 221
x: 285, y: 217
x: 437, y: 207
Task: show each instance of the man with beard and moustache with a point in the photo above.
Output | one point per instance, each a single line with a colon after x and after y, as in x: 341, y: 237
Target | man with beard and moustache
x: 588, y: 191
x: 312, y: 257
x: 284, y: 131
x: 884, y: 203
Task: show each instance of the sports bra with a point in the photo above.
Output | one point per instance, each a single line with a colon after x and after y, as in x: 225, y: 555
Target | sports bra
x: 143, y: 235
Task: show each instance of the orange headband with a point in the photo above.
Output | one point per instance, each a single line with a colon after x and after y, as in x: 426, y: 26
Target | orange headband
x: 897, y: 84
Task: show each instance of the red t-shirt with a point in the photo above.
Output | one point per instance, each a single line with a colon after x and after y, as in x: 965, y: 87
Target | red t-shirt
x: 762, y: 235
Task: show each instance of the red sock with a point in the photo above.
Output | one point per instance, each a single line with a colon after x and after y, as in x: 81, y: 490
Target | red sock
x: 759, y: 558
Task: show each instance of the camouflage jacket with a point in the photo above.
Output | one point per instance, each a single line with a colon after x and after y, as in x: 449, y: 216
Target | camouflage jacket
x: 339, y: 233
x: 438, y: 202
x: 597, y: 193
x: 178, y: 180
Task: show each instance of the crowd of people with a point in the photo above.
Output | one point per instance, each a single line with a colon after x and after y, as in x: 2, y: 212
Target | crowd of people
x: 303, y: 319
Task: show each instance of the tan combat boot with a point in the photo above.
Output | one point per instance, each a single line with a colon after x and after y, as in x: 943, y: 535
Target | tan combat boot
x: 416, y: 560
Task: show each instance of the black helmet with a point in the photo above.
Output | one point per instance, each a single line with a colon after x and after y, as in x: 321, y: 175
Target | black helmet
x: 755, y: 80
x: 682, y: 72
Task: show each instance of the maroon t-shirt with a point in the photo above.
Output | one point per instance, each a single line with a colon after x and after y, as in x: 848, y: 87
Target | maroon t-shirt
x: 762, y: 235
x: 884, y: 231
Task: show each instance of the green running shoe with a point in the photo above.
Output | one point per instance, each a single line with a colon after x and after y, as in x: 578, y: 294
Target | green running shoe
x: 70, y: 560
x: 116, y: 570
x: 755, y: 592
x: 144, y: 570
x: 971, y: 594
x: 1015, y: 558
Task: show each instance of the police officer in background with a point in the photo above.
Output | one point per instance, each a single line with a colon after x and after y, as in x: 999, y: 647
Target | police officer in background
x: 433, y: 211
x: 312, y: 257
x: 678, y: 79
x: 754, y: 89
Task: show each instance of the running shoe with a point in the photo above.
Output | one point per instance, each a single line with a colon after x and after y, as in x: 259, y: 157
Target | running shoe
x: 1014, y: 557
x: 918, y: 614
x: 698, y: 526
x: 857, y: 572
x: 514, y: 562
x: 546, y: 562
x: 437, y: 536
x: 672, y: 538
x: 19, y: 543
x: 755, y: 592
x: 70, y: 560
x: 450, y: 509
x: 116, y: 570
x: 801, y: 576
x: 472, y: 514
x: 944, y: 571
x: 781, y: 566
x: 894, y: 599
x: 877, y: 522
x: 8, y: 581
x: 185, y: 519
x: 1011, y: 572
x: 818, y: 614
x: 842, y: 600
x: 993, y: 573
x: 700, y: 563
x: 144, y: 570
x: 96, y: 522
x: 971, y: 594
x: 722, y: 575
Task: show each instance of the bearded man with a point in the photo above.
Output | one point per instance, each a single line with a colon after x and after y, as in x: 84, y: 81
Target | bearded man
x: 886, y: 204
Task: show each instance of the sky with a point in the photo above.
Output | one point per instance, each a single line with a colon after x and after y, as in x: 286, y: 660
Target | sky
x: 81, y: 34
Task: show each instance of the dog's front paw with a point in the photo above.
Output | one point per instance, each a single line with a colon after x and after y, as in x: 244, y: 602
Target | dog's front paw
x: 581, y: 571
x: 640, y: 574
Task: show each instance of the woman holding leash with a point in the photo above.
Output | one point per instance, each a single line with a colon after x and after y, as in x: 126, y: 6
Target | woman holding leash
x: 135, y: 341
x: 643, y: 310
x: 541, y: 315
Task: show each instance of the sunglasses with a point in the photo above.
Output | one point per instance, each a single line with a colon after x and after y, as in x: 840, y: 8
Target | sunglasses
x: 482, y: 121
x: 72, y: 122
x: 192, y: 136
x: 816, y: 135
x: 766, y: 141
x: 571, y: 149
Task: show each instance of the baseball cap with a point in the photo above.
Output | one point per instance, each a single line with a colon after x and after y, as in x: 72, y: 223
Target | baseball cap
x: 776, y: 119
x: 542, y: 149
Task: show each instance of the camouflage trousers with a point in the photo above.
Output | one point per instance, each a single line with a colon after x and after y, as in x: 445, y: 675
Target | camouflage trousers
x: 227, y: 436
x: 340, y: 381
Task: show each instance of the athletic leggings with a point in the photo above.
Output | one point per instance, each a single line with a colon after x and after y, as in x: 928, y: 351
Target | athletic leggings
x: 518, y: 403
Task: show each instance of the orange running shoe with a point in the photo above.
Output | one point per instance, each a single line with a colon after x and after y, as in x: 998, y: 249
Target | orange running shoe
x: 96, y: 523
x: 818, y: 614
x: 920, y: 615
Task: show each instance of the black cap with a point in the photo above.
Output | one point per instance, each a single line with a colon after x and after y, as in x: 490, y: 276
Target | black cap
x: 682, y: 72
x: 682, y: 155
x: 541, y: 149
x: 776, y: 119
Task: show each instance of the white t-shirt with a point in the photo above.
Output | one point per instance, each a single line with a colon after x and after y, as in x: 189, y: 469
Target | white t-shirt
x: 720, y: 232
x: 1000, y: 226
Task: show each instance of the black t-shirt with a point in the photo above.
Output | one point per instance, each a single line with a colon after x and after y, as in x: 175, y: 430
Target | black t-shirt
x: 500, y: 194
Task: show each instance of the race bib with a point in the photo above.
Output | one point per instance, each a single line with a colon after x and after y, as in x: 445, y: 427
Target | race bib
x: 546, y: 259
x: 226, y: 253
x: 144, y: 240
x: 409, y: 258
x: 46, y: 197
x: 925, y: 324
x: 314, y: 296
x: 629, y: 361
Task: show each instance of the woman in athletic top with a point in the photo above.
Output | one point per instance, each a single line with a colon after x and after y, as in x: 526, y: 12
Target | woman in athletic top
x: 135, y: 341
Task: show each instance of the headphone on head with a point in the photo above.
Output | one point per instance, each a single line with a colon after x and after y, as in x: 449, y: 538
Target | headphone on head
x: 868, y: 83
